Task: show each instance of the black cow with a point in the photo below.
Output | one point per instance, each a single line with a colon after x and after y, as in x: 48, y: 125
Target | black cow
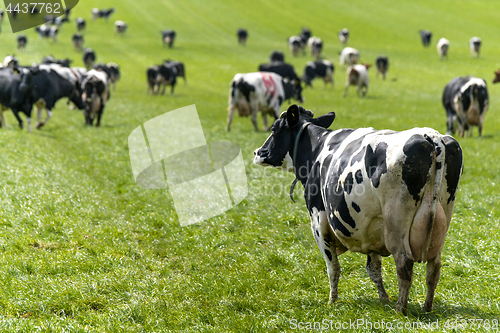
x: 77, y: 40
x: 379, y: 193
x: 51, y: 60
x: 167, y: 77
x: 16, y: 92
x: 112, y: 70
x: 179, y: 66
x: 382, y: 64
x: 283, y: 69
x: 22, y: 40
x: 88, y: 58
x: 242, y: 36
x: 152, y: 74
x: 319, y: 68
x: 466, y: 102
x: 277, y: 56
x: 105, y: 13
x: 168, y: 37
x: 305, y: 34
x: 48, y: 88
x: 426, y: 36
x: 80, y: 24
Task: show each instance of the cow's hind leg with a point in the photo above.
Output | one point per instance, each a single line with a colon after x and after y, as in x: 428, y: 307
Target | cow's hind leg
x: 404, y: 269
x: 432, y: 279
x: 374, y: 269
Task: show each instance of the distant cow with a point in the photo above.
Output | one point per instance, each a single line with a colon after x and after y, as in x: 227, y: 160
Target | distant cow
x: 265, y: 92
x: 89, y: 58
x: 349, y: 56
x: 319, y: 68
x: 179, y: 66
x: 152, y: 75
x: 343, y: 36
x: 22, y: 40
x: 112, y: 70
x: 475, y: 46
x: 168, y: 37
x: 242, y: 35
x: 80, y: 24
x: 277, y: 56
x: 295, y: 44
x: 105, y: 13
x: 10, y: 62
x: 77, y: 40
x: 120, y: 27
x: 95, y: 95
x: 47, y: 31
x: 285, y: 70
x: 378, y: 193
x: 382, y: 64
x: 442, y: 47
x: 315, y: 45
x: 466, y: 102
x: 497, y: 76
x: 167, y: 77
x: 357, y: 75
x: 305, y: 34
x: 51, y: 60
x: 425, y: 36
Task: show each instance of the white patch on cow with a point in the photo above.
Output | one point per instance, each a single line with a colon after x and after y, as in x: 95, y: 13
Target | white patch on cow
x: 287, y: 163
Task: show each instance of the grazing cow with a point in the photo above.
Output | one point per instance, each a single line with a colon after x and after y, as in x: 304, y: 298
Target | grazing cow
x: 344, y: 36
x: 379, y: 193
x: 167, y: 77
x: 77, y: 40
x: 295, y: 43
x: 382, y: 64
x: 47, y: 31
x: 80, y: 24
x: 168, y: 37
x: 105, y: 13
x: 15, y: 92
x: 466, y: 102
x: 277, y: 56
x: 179, y: 66
x: 315, y: 45
x: 120, y: 27
x: 285, y: 70
x: 89, y: 58
x: 475, y: 46
x: 22, y: 40
x: 112, y: 70
x: 442, y: 47
x: 95, y: 95
x: 357, y: 75
x: 50, y: 85
x: 261, y: 91
x: 152, y: 74
x: 242, y: 36
x: 425, y: 36
x: 319, y: 68
x: 497, y: 76
x: 51, y: 60
x: 10, y: 62
x: 349, y: 56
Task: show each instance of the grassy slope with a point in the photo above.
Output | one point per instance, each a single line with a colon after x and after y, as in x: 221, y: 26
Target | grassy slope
x: 83, y: 248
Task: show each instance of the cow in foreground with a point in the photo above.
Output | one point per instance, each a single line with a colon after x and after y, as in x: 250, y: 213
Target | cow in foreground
x: 357, y: 75
x: 242, y: 35
x: 475, y: 46
x: 379, y: 193
x: 260, y: 91
x: 319, y: 68
x: 349, y: 56
x: 425, y: 36
x: 466, y: 102
x: 382, y: 64
x: 442, y: 47
x: 343, y: 36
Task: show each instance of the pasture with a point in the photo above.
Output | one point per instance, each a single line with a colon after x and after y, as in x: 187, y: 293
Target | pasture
x: 83, y: 249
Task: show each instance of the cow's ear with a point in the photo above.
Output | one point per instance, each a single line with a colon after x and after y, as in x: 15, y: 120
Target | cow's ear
x: 325, y: 120
x: 292, y: 115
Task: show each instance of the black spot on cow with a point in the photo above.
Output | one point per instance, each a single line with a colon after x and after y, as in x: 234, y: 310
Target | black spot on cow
x: 328, y: 254
x: 359, y: 176
x: 317, y: 232
x: 246, y: 89
x: 337, y: 225
x: 280, y: 99
x: 356, y: 207
x: 326, y: 163
x: 358, y: 157
x: 344, y: 213
x: 349, y: 150
x: 454, y: 160
x: 348, y: 183
x: 375, y: 163
x: 438, y: 165
x: 337, y: 139
x: 416, y: 167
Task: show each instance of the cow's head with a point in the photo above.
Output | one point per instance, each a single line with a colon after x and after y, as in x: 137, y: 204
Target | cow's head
x: 293, y: 89
x: 497, y: 76
x: 23, y: 95
x: 277, y: 151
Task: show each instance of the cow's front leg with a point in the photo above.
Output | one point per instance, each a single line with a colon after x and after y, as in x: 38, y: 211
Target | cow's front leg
x: 264, y: 120
x: 230, y: 114
x: 404, y: 269
x: 99, y: 115
x: 374, y: 269
x: 49, y: 115
x: 254, y: 109
x: 432, y: 279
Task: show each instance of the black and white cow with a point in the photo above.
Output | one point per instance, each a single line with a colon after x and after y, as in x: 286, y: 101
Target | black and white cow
x: 95, y: 95
x: 112, y: 70
x: 51, y: 60
x: 466, y: 102
x: 349, y: 56
x: 285, y: 70
x: 168, y: 37
x: 277, y: 56
x: 15, y: 92
x: 242, y: 35
x: 10, y: 62
x: 47, y: 31
x: 22, y: 40
x: 379, y: 193
x: 357, y: 75
x: 305, y: 34
x: 315, y: 45
x: 319, y: 68
x: 425, y: 36
x: 161, y: 75
x: 80, y: 24
x: 442, y: 48
x: 77, y: 40
x: 343, y: 36
x: 295, y: 44
x: 382, y: 64
x: 261, y: 91
x: 89, y: 58
x: 105, y: 13
x: 475, y: 46
x: 120, y: 27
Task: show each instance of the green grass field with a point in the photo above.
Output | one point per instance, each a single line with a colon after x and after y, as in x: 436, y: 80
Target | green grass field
x: 83, y: 249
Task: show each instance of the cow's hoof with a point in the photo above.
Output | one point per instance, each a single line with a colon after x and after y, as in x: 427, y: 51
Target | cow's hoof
x: 384, y: 299
x: 401, y: 310
x: 39, y: 125
x: 428, y: 307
